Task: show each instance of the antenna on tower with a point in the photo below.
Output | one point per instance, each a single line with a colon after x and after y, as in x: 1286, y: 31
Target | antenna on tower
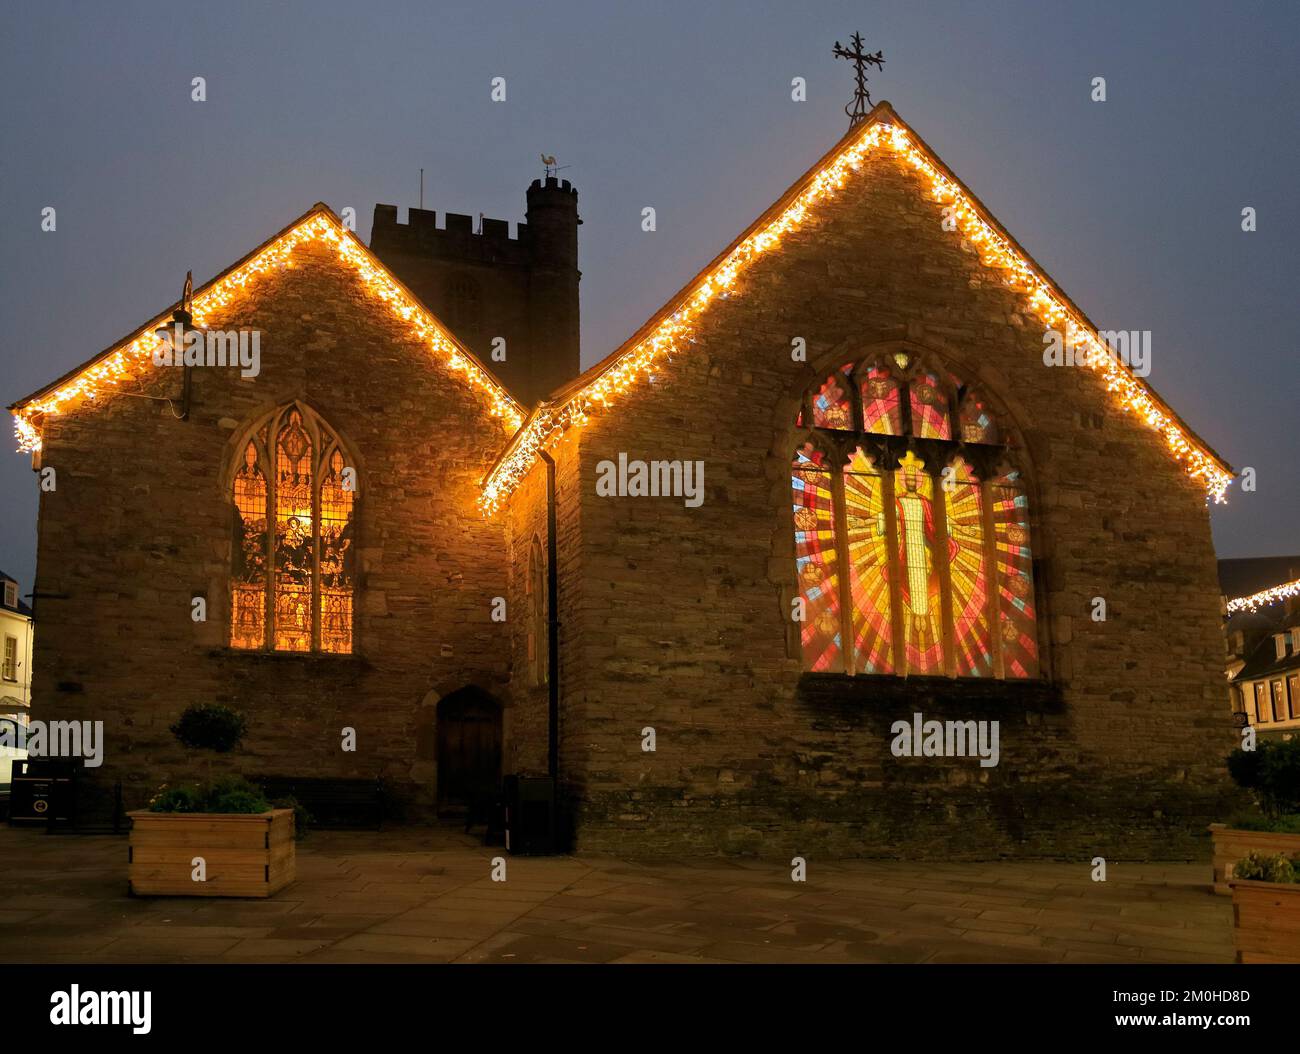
x: 421, y: 188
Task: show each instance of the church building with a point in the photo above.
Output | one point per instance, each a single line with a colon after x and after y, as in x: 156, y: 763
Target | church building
x: 835, y: 487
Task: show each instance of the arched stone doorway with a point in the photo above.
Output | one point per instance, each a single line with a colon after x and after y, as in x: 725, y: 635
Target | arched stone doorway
x: 468, y: 748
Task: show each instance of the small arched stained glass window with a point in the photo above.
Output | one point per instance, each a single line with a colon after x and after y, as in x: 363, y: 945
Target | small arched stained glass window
x: 969, y: 572
x: 832, y: 405
x: 929, y: 408
x: 336, y: 554
x: 248, y: 571
x: 882, y: 409
x: 976, y: 421
x: 538, y: 630
x: 294, y: 498
x: 1015, y: 575
x: 867, y: 544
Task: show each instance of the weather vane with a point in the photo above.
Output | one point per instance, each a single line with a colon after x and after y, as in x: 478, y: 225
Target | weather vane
x: 550, y: 167
x: 857, y: 110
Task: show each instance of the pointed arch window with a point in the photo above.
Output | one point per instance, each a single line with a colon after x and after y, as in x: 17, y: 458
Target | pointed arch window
x: 292, y: 582
x: 911, y: 527
x: 538, y: 644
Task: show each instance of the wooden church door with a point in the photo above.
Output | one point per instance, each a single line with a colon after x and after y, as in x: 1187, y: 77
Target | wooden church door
x: 469, y: 748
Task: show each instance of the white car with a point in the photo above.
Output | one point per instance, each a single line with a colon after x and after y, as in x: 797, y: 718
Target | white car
x: 9, y: 731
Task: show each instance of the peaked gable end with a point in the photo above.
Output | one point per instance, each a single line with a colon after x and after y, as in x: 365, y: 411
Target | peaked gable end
x: 672, y: 329
x: 133, y: 354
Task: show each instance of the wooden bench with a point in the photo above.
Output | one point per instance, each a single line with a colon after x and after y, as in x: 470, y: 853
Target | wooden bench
x: 340, y: 804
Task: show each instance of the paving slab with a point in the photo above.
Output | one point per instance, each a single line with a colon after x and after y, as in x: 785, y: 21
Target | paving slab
x: 425, y: 895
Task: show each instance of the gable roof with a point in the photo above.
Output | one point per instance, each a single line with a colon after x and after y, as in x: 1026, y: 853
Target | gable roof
x: 1240, y: 577
x: 1263, y: 662
x: 132, y: 354
x: 670, y: 329
x: 21, y: 607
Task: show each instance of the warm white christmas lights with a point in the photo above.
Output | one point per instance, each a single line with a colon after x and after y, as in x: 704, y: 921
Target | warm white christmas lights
x: 1267, y: 596
x: 135, y: 357
x: 676, y: 329
x: 669, y: 336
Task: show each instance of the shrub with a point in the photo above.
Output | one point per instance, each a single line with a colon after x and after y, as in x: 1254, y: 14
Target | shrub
x: 236, y: 794
x: 1264, y: 867
x: 1243, y: 766
x: 1271, y: 772
x: 1253, y: 821
x: 210, y: 727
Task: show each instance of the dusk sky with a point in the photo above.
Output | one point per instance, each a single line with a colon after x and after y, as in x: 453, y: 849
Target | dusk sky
x: 1133, y: 205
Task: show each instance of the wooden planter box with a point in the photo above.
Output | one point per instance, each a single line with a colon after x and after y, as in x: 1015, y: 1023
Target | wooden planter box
x: 246, y: 855
x: 1266, y: 921
x: 1231, y: 844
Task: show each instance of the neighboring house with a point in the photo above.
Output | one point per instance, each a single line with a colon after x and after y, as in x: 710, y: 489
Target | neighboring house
x: 832, y: 484
x: 16, y: 634
x: 1264, y: 641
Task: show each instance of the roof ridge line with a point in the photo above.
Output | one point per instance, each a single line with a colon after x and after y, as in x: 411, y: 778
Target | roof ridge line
x: 350, y: 249
x: 633, y: 359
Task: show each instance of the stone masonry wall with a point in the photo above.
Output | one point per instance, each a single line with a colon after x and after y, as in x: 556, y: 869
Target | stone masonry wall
x: 527, y: 519
x: 685, y: 612
x: 140, y: 523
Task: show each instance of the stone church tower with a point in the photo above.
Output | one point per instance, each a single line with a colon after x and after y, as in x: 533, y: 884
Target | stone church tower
x: 486, y: 285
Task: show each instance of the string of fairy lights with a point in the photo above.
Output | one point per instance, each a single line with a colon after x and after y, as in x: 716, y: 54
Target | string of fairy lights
x: 129, y: 360
x: 676, y: 330
x: 669, y: 337
x: 1267, y: 596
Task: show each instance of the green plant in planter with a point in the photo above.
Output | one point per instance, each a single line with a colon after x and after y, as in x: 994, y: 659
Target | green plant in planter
x: 1271, y: 772
x: 229, y: 794
x: 1254, y: 821
x: 188, y: 797
x: 236, y: 794
x: 1267, y: 867
x: 219, y: 729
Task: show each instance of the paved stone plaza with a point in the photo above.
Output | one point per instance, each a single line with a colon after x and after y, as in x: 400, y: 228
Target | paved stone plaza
x: 425, y: 895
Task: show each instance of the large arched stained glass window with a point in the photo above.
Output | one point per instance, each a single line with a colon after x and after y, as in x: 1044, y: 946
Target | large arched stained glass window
x: 911, y: 526
x: 292, y: 580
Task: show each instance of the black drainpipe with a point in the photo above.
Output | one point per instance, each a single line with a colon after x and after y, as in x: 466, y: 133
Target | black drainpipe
x: 552, y: 630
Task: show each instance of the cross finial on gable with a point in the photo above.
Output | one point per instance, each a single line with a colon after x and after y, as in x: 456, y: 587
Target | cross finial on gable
x: 857, y: 109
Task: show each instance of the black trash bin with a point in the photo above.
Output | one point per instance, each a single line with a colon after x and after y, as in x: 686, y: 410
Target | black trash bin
x: 530, y: 815
x: 44, y: 792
